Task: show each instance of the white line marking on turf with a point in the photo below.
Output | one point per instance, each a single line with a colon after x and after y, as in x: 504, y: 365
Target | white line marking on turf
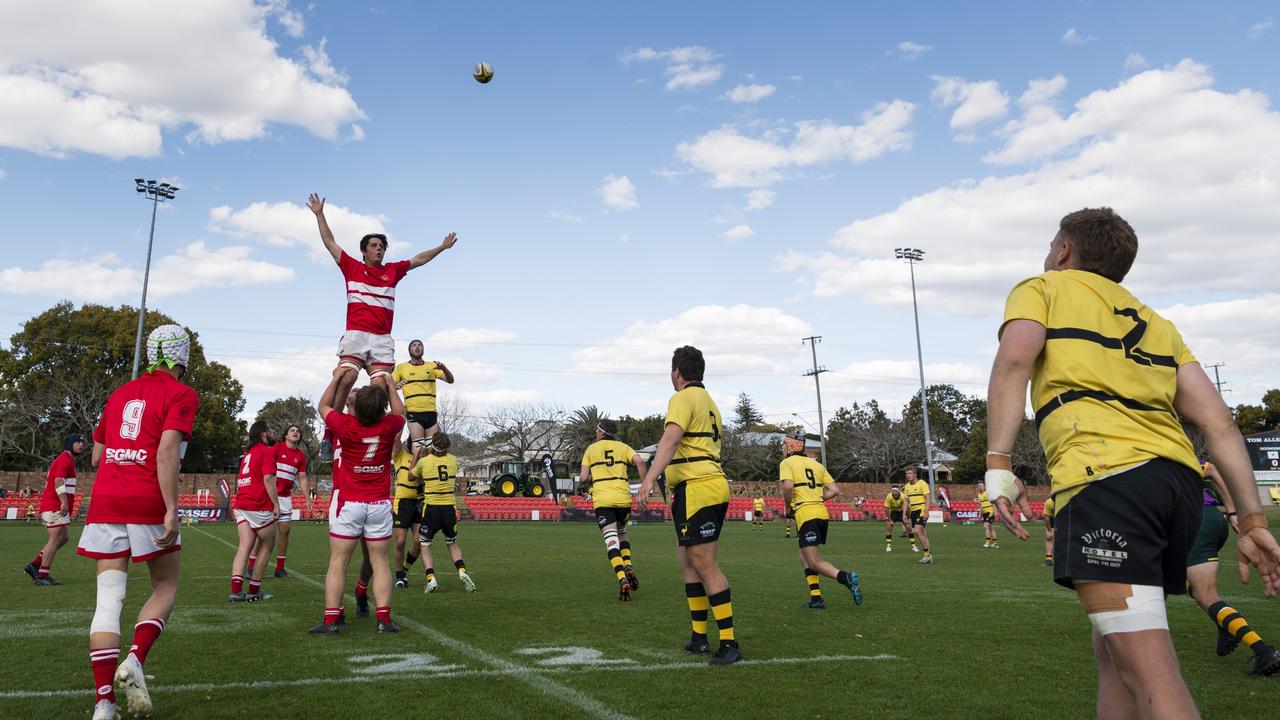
x: 528, y: 676
x: 393, y: 677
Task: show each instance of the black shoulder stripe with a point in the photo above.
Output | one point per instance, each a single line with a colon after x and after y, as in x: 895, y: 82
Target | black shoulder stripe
x: 1072, y: 395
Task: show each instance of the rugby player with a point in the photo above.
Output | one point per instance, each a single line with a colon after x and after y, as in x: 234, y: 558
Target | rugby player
x: 893, y: 505
x: 806, y: 486
x: 918, y: 504
x: 989, y: 538
x: 689, y: 454
x: 757, y: 510
x: 1202, y: 577
x: 361, y: 506
x: 137, y: 448
x: 604, y: 468
x: 417, y: 380
x: 1111, y: 382
x: 256, y: 509
x: 371, y: 301
x: 291, y: 468
x: 55, y: 508
x: 406, y: 499
x: 439, y: 473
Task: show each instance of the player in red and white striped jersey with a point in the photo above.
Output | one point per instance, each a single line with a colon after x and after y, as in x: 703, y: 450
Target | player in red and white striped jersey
x: 133, y: 512
x: 371, y: 301
x: 256, y: 510
x: 55, y: 508
x: 291, y: 469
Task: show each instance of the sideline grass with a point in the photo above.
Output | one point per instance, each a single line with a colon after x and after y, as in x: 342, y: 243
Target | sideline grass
x: 981, y: 633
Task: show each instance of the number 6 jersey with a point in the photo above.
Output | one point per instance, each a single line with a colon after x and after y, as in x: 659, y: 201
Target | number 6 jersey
x: 126, y: 489
x: 365, y: 472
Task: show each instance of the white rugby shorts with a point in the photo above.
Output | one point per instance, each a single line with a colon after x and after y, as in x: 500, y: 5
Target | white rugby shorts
x: 367, y: 349
x: 116, y: 540
x: 257, y: 519
x: 55, y: 519
x: 286, y: 508
x: 355, y: 520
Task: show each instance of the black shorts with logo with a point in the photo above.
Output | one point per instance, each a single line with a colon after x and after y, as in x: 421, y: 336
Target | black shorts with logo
x: 895, y: 516
x: 439, y: 518
x: 607, y: 515
x: 698, y: 510
x: 988, y: 518
x: 425, y: 419
x: 1136, y: 527
x: 408, y: 512
x: 812, y: 533
x: 919, y: 517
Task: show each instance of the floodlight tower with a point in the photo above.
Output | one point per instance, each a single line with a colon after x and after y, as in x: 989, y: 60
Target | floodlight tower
x: 913, y: 256
x: 156, y: 193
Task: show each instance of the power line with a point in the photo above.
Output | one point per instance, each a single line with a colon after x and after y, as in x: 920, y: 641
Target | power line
x: 817, y: 370
x: 1217, y: 380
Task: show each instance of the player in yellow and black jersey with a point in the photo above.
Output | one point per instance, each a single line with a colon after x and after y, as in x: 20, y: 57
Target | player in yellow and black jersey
x: 689, y: 454
x: 918, y: 509
x: 417, y: 382
x: 806, y: 486
x: 989, y: 538
x: 757, y: 511
x: 439, y: 473
x: 604, y: 468
x: 406, y: 502
x: 893, y: 503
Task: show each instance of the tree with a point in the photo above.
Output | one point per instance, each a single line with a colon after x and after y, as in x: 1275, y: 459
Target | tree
x: 640, y: 432
x: 951, y: 416
x: 280, y: 413
x: 59, y: 369
x: 747, y: 461
x: 1259, y: 418
x: 864, y: 443
x: 523, y: 432
x: 580, y: 430
x: 746, y: 415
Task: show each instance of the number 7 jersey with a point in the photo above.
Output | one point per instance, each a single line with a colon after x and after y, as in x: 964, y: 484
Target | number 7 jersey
x: 365, y: 472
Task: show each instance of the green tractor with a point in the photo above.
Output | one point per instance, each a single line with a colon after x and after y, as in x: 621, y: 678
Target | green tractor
x: 512, y: 479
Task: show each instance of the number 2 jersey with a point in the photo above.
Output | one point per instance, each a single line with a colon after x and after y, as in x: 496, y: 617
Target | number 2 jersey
x: 365, y: 472
x: 808, y: 479
x: 127, y: 488
x: 439, y: 475
x: 607, y: 462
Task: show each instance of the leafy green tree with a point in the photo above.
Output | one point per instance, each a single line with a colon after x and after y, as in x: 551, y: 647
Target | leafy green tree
x: 746, y: 416
x: 60, y: 367
x: 280, y: 413
x: 640, y: 432
x: 1259, y: 418
x: 580, y: 429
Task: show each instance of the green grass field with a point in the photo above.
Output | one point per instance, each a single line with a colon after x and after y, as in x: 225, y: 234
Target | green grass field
x: 981, y: 633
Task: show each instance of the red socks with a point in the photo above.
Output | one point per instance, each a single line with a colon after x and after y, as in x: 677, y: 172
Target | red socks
x: 331, y: 615
x: 254, y: 586
x: 44, y: 572
x: 253, y: 559
x: 237, y: 583
x: 384, y: 613
x: 144, y: 634
x: 103, y: 661
x: 38, y: 559
x: 362, y: 590
x: 279, y: 563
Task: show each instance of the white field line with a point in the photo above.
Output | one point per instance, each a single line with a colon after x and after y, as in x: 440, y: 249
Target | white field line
x: 433, y: 674
x: 527, y: 675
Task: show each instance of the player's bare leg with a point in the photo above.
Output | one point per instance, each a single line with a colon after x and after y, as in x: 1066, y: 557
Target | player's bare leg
x: 1146, y: 667
x: 613, y: 550
x: 813, y: 561
x: 702, y: 576
x: 888, y: 536
x: 267, y: 537
x: 104, y: 633
x: 335, y: 581
x: 1233, y: 628
x: 282, y: 545
x: 455, y: 554
x: 922, y: 536
x: 424, y: 550
x: 248, y: 539
x: 362, y: 581
x: 58, y: 536
x: 381, y: 585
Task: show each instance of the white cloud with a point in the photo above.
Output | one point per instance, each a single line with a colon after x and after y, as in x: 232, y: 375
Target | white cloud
x: 1193, y: 169
x: 734, y: 339
x: 1074, y: 37
x: 618, y: 193
x: 795, y: 78
x: 468, y: 337
x: 1136, y: 61
x: 321, y: 66
x: 483, y: 400
x: 975, y: 102
x: 908, y: 50
x: 737, y: 160
x: 287, y: 371
x: 357, y: 133
x: 892, y: 383
x: 1258, y: 29
x: 109, y: 78
x: 1242, y: 332
x: 687, y: 67
x: 1042, y: 90
x: 286, y: 224
x: 671, y: 176
x: 738, y: 232
x: 566, y: 217
x: 760, y: 199
x: 290, y: 20
x: 105, y: 278
x: 750, y: 93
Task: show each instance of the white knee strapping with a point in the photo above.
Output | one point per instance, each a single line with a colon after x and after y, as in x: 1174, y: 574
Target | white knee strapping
x: 111, y: 587
x: 1146, y: 611
x: 349, y: 365
x: 377, y: 374
x: 610, y: 539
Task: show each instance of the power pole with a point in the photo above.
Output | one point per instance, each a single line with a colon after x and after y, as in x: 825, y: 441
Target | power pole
x: 1217, y: 380
x: 817, y: 370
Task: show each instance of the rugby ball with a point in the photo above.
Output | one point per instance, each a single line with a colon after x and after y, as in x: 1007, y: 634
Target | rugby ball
x: 482, y: 72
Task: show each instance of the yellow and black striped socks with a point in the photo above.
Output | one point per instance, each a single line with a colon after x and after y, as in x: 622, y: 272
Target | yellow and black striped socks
x: 888, y: 540
x: 698, y: 605
x: 615, y: 560
x: 722, y: 609
x: 811, y: 576
x: 913, y: 541
x: 462, y: 567
x: 431, y: 573
x: 624, y: 549
x: 1230, y: 620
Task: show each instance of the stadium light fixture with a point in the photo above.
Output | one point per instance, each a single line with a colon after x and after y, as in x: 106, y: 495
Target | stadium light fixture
x: 156, y: 193
x: 913, y: 256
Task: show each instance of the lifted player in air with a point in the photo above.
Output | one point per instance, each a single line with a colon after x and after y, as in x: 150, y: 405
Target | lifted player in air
x: 256, y: 510
x: 918, y: 504
x: 439, y: 473
x: 893, y: 507
x: 137, y: 448
x: 55, y: 508
x: 417, y: 380
x: 806, y: 486
x: 1202, y: 577
x: 989, y: 538
x: 406, y: 499
x: 361, y: 506
x: 689, y: 454
x: 371, y: 302
x: 604, y: 468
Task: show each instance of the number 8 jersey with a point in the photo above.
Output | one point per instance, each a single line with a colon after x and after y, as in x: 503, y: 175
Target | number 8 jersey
x: 126, y: 489
x: 365, y: 472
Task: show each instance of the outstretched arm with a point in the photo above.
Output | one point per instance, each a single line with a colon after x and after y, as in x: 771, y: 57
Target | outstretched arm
x: 325, y: 405
x: 427, y: 256
x: 316, y: 204
x: 448, y: 374
x: 1021, y: 342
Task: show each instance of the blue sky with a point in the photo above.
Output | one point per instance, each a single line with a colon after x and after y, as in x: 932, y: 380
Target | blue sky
x: 731, y: 175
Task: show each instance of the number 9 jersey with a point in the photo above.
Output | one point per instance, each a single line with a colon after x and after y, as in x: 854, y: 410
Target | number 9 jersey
x: 808, y: 479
